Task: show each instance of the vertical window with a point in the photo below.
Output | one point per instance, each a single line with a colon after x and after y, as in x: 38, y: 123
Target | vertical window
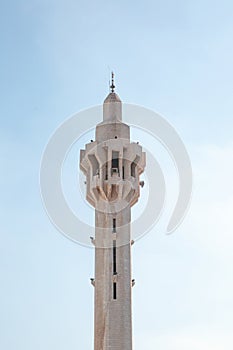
x: 114, y: 268
x: 106, y: 171
x: 115, y: 162
x: 133, y: 167
x: 114, y: 291
x: 114, y: 225
x: 114, y: 257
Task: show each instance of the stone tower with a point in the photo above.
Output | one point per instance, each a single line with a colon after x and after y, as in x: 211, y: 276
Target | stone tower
x: 112, y: 166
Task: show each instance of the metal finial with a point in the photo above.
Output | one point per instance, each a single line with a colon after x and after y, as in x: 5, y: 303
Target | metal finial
x: 112, y: 87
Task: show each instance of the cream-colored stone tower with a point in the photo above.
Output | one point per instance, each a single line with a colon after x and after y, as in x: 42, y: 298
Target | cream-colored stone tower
x: 112, y: 166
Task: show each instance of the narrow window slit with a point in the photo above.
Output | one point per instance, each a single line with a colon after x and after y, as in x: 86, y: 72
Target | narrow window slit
x: 114, y: 267
x: 115, y: 162
x: 114, y: 257
x: 114, y: 291
x: 106, y: 171
x: 133, y: 167
x: 114, y: 225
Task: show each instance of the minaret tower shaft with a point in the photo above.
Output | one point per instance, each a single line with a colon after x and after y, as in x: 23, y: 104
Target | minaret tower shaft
x: 112, y: 166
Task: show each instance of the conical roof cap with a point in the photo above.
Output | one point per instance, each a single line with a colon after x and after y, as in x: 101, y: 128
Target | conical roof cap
x: 112, y: 97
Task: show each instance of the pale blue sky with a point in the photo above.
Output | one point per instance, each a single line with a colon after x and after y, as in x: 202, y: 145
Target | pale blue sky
x: 172, y: 56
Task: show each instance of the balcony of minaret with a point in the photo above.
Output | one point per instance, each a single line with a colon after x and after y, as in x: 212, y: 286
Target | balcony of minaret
x: 112, y: 170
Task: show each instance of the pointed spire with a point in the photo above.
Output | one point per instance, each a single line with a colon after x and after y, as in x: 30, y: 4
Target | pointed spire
x: 112, y: 108
x: 112, y: 87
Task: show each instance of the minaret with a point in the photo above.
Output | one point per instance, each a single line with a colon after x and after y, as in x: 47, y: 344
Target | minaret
x: 112, y: 166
